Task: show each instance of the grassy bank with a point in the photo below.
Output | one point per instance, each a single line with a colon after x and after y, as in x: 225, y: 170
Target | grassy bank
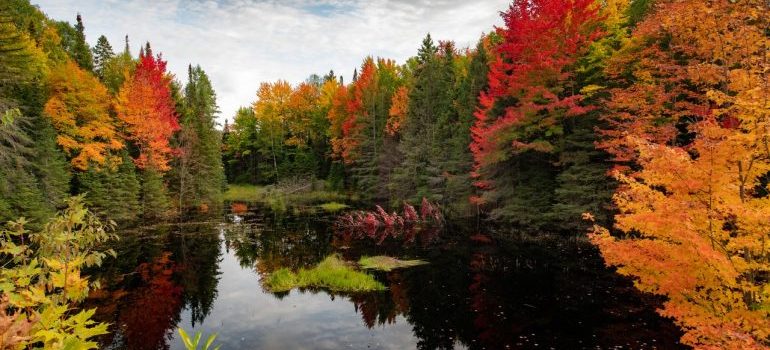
x: 332, y: 273
x: 281, y: 198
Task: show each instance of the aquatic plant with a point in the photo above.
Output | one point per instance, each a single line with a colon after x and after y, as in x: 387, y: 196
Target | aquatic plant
x: 332, y: 273
x: 380, y: 225
x: 386, y: 263
x: 194, y: 343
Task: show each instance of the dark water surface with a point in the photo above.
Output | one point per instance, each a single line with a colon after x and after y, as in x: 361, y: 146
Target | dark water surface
x: 474, y: 294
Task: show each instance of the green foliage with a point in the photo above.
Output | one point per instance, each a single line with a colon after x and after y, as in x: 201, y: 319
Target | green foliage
x: 194, y: 343
x: 154, y: 199
x: 115, y: 70
x: 40, y: 279
x: 280, y: 198
x: 198, y: 174
x: 333, y: 207
x: 102, y: 186
x: 102, y: 54
x: 386, y: 263
x: 332, y: 273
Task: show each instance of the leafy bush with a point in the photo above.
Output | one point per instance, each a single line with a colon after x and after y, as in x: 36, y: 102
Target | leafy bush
x: 41, y: 280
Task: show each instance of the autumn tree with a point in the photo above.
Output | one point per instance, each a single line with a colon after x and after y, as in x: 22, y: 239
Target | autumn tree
x: 689, y: 131
x: 145, y: 106
x: 531, y: 92
x: 79, y: 108
x: 271, y: 110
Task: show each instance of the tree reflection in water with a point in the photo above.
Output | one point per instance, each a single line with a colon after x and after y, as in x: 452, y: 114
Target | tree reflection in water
x: 477, y: 292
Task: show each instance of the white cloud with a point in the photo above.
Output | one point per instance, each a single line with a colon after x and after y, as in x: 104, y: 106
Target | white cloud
x: 241, y: 43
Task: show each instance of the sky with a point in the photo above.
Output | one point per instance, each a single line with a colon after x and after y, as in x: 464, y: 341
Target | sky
x: 241, y: 43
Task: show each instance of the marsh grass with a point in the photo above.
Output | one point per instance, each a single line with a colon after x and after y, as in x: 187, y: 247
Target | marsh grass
x: 386, y: 263
x: 332, y: 273
x: 280, y: 199
x: 333, y: 207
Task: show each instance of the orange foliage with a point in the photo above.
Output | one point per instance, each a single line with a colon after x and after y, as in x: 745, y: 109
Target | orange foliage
x: 146, y: 107
x: 695, y: 214
x: 398, y: 110
x: 337, y: 115
x: 79, y: 108
x: 239, y: 208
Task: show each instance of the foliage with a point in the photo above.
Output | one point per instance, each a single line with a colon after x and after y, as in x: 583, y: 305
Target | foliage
x: 43, y: 277
x: 531, y: 93
x: 689, y: 132
x: 145, y: 105
x: 386, y: 263
x: 198, y: 172
x: 333, y: 207
x: 332, y: 273
x: 194, y: 343
x: 79, y: 109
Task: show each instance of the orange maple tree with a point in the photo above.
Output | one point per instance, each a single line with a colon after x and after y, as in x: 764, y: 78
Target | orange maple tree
x: 692, y: 122
x: 79, y: 108
x: 147, y: 109
x: 399, y: 108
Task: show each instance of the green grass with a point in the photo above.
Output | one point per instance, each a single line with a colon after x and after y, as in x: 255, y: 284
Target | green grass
x: 244, y: 193
x: 280, y: 199
x: 333, y: 207
x: 332, y: 273
x: 386, y: 263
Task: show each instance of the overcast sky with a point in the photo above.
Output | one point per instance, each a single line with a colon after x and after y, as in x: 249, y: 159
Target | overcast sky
x: 241, y: 43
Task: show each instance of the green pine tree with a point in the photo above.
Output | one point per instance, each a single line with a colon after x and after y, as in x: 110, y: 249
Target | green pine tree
x: 429, y: 126
x: 199, y: 173
x: 155, y: 201
x: 102, y: 54
x: 112, y: 191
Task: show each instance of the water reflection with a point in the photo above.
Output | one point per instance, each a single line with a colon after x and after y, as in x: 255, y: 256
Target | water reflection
x: 475, y: 293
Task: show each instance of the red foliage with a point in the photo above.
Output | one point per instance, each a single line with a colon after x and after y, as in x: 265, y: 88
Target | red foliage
x: 380, y: 225
x: 541, y: 39
x: 146, y: 107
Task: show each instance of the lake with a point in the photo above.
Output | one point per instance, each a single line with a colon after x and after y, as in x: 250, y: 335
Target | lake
x: 476, y: 292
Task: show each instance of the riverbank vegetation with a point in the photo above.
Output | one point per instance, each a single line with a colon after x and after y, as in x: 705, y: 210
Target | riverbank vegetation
x: 42, y: 281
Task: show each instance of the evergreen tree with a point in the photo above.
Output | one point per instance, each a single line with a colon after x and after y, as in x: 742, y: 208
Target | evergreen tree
x: 81, y: 52
x: 102, y: 54
x: 459, y: 185
x: 20, y: 193
x: 22, y: 151
x: 155, y: 201
x: 199, y: 171
x: 50, y: 165
x: 112, y: 191
x: 428, y: 126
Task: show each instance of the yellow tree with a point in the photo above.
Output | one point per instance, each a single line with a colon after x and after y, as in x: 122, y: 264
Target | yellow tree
x: 303, y: 104
x: 271, y: 110
x: 79, y: 108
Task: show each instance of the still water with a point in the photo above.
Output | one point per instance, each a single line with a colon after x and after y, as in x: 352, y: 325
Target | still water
x: 477, y: 292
